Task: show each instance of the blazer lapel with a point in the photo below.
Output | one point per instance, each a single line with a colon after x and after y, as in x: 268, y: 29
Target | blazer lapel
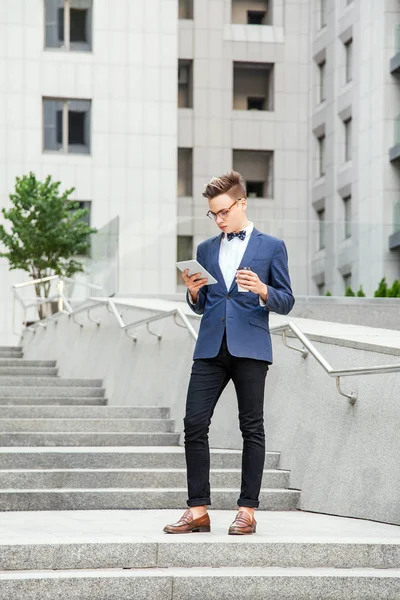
x: 250, y: 252
x: 215, y: 260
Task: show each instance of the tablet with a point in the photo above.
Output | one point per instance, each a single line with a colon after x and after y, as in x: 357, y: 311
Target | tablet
x: 195, y: 267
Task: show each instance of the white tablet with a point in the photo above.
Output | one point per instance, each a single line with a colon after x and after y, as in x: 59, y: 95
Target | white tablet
x: 195, y: 267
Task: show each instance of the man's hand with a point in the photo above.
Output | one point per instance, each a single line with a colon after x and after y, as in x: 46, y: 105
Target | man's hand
x: 193, y: 283
x: 251, y: 281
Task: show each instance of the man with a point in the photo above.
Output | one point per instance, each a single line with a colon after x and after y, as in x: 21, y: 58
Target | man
x: 233, y: 343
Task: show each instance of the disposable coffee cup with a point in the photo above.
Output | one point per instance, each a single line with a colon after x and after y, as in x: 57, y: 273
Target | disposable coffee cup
x: 240, y: 288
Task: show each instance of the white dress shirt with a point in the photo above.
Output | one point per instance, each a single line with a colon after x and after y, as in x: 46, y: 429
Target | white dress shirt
x: 231, y: 254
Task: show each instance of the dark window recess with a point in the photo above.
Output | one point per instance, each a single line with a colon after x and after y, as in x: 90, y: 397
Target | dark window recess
x: 60, y: 24
x: 255, y: 189
x: 59, y: 127
x: 78, y: 25
x: 76, y: 123
x: 256, y: 17
x: 255, y: 103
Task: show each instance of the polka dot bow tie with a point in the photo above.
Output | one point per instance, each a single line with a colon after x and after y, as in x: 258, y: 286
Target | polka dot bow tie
x: 240, y: 234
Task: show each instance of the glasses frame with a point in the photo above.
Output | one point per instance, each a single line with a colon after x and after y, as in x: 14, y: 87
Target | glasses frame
x: 214, y: 216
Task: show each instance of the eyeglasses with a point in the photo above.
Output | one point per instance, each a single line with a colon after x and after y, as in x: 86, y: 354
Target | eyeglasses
x: 222, y: 214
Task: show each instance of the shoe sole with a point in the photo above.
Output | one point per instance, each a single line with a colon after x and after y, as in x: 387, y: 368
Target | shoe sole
x: 197, y: 530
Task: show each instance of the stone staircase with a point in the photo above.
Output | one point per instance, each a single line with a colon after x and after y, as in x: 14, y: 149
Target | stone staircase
x: 67, y: 460
x: 88, y: 455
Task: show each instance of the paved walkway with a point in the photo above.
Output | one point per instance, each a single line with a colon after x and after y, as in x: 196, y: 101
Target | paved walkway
x: 126, y: 526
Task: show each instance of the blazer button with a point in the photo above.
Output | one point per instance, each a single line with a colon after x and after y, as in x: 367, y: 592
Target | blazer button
x: 223, y: 319
x: 228, y: 297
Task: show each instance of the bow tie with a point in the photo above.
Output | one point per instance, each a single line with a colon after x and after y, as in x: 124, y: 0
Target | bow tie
x: 240, y: 234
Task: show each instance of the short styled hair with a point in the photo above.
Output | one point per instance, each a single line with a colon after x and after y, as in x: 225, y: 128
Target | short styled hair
x: 231, y: 183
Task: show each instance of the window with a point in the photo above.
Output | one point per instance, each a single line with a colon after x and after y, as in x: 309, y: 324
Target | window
x: 322, y: 74
x: 255, y: 189
x: 347, y: 216
x: 256, y: 17
x: 185, y: 172
x: 322, y: 8
x: 349, y: 2
x: 253, y: 86
x: 321, y: 228
x: 347, y: 139
x: 252, y: 12
x: 66, y: 125
x: 255, y: 103
x: 184, y: 251
x: 69, y: 24
x: 349, y: 60
x: 321, y: 156
x: 321, y: 288
x: 185, y: 84
x: 256, y: 166
x: 185, y: 9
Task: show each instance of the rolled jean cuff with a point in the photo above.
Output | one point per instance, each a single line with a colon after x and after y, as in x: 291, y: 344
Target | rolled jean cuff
x: 248, y: 503
x: 199, y: 502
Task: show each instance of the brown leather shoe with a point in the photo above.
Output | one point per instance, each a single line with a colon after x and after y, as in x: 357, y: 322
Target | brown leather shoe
x: 243, y: 524
x: 187, y: 524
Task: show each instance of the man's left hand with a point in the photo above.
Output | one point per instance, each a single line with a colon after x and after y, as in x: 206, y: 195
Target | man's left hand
x: 251, y: 281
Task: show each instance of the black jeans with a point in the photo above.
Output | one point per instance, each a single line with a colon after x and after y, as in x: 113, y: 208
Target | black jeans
x: 208, y: 379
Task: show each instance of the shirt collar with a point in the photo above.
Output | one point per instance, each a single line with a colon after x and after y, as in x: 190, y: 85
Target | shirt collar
x: 248, y: 230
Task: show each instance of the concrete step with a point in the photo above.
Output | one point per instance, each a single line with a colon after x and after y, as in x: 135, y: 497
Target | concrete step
x: 45, y: 381
x: 11, y: 354
x: 23, y: 362
x: 151, y: 457
x: 134, y: 539
x: 87, y: 425
x: 10, y: 348
x: 50, y: 390
x: 203, y: 584
x: 84, y: 412
x: 127, y: 478
x: 52, y: 401
x: 134, y: 498
x: 48, y: 438
x: 28, y: 371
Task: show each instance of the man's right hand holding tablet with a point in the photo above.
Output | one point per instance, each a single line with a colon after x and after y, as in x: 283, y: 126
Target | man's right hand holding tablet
x: 193, y: 283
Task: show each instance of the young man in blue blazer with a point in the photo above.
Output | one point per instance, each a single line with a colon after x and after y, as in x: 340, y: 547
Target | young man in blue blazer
x: 233, y: 343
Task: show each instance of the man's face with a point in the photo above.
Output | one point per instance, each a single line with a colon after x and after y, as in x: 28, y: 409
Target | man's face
x: 228, y: 220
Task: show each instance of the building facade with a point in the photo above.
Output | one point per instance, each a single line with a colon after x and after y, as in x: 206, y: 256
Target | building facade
x: 138, y: 103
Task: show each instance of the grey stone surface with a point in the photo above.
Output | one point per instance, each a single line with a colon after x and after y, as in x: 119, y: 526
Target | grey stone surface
x: 87, y: 425
x: 45, y: 381
x: 22, y: 362
x: 35, y: 391
x: 129, y: 478
x: 29, y: 400
x: 112, y: 539
x: 203, y: 584
x: 88, y: 439
x: 168, y: 457
x: 133, y: 498
x: 28, y: 371
x: 90, y: 412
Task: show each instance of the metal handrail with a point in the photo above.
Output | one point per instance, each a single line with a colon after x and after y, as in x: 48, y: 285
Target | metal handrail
x: 308, y: 347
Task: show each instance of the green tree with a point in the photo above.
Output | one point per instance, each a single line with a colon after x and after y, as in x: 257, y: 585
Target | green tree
x: 382, y: 290
x: 360, y: 293
x: 46, y: 231
x: 349, y: 291
x: 394, y: 291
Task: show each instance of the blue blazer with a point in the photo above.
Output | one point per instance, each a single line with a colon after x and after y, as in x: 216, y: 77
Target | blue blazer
x: 240, y: 313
